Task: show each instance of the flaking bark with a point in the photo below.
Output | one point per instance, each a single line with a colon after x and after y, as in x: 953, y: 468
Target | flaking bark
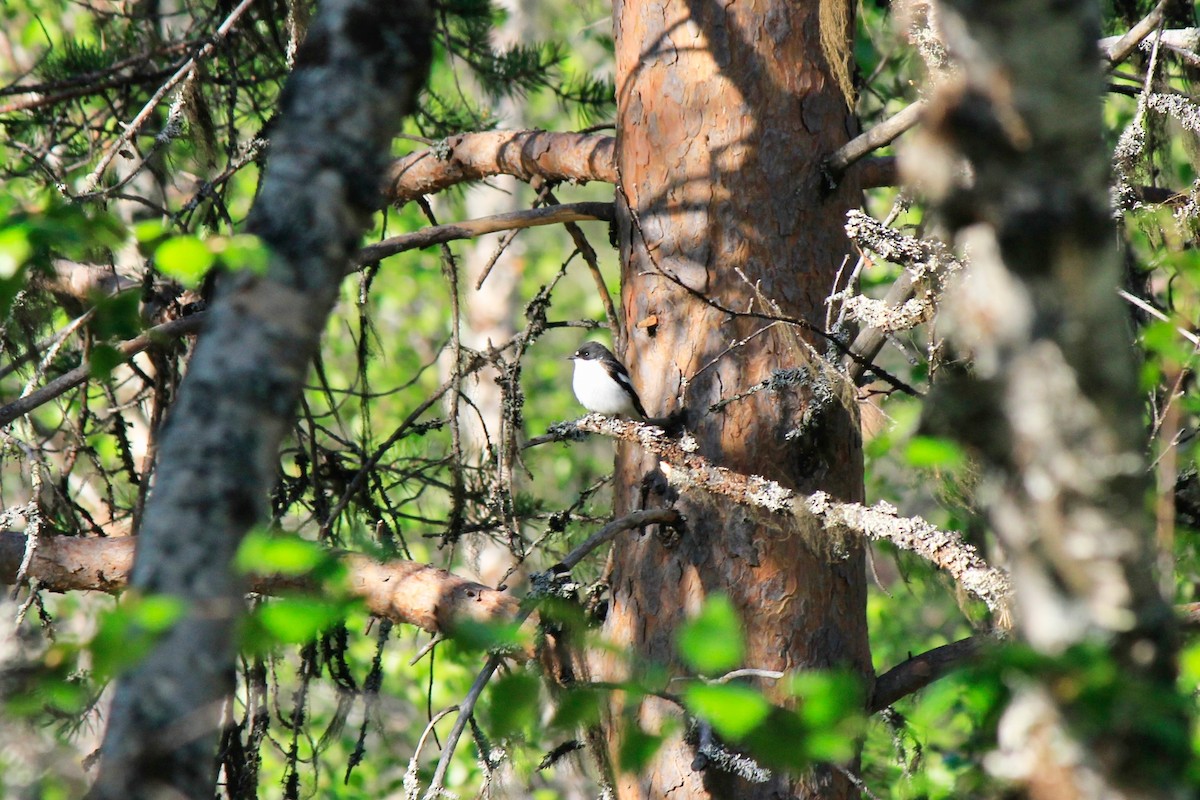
x: 725, y: 113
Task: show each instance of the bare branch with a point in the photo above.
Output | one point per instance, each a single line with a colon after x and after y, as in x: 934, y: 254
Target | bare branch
x: 1117, y: 48
x: 69, y: 380
x: 439, y: 234
x: 879, y: 136
x: 575, y: 157
x: 919, y: 671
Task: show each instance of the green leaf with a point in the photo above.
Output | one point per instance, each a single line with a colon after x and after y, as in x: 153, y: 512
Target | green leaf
x: 826, y: 698
x: 734, y: 709
x: 1162, y: 339
x: 126, y: 633
x: 297, y: 620
x: 149, y: 230
x: 829, y: 745
x: 269, y: 554
x: 117, y: 317
x: 514, y: 705
x: 184, y: 258
x: 712, y: 642
x: 1189, y: 666
x: 15, y: 250
x: 243, y: 252
x: 156, y: 613
x: 930, y: 452
x: 637, y: 748
x: 489, y: 636
x: 576, y: 708
x: 104, y: 359
x: 780, y: 741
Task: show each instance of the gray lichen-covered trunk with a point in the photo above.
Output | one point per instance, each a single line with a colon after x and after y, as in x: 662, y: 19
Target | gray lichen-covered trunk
x: 356, y: 75
x: 1051, y: 407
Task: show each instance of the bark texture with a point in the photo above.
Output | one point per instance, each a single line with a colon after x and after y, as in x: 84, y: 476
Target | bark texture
x: 725, y: 113
x: 403, y: 591
x: 356, y: 75
x: 1052, y: 407
x: 466, y: 157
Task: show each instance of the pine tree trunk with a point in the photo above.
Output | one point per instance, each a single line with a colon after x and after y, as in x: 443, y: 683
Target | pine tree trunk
x: 725, y: 112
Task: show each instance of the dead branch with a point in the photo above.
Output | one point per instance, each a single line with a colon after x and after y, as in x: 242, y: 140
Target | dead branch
x: 69, y: 380
x: 575, y: 157
x: 1117, y: 48
x: 919, y: 671
x: 440, y: 234
x: 684, y: 468
x: 403, y: 591
x: 879, y: 136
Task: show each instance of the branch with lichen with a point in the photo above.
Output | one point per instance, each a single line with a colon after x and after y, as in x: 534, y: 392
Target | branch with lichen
x: 928, y: 262
x: 685, y: 469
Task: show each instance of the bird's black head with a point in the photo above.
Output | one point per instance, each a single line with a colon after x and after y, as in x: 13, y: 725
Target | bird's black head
x: 592, y: 351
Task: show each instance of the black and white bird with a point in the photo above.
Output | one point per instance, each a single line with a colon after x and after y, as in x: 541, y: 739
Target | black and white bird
x: 602, y: 383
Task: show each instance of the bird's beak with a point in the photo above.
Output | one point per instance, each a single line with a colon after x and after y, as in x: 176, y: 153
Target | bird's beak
x: 570, y: 358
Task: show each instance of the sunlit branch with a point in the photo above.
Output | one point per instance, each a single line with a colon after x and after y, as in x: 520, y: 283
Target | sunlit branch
x: 574, y: 157
x: 684, y: 468
x: 403, y: 591
x: 440, y: 234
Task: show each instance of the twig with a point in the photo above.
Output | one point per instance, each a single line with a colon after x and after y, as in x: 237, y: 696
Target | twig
x: 465, y: 709
x: 410, y: 774
x: 636, y: 519
x: 919, y: 671
x: 882, y: 134
x: 440, y: 234
x: 1118, y: 50
x: 589, y: 257
x: 803, y: 324
x: 138, y: 121
x: 69, y: 380
x: 1154, y: 312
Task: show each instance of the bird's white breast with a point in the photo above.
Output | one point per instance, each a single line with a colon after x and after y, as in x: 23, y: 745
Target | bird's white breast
x: 599, y: 392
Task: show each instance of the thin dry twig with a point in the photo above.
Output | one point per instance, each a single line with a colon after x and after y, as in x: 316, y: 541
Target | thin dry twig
x: 135, y: 125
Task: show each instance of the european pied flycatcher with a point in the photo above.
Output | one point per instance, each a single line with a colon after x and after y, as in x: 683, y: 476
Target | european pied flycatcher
x: 602, y: 383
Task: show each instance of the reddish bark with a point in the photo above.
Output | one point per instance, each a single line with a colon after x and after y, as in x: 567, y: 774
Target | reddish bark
x: 725, y: 115
x: 465, y: 157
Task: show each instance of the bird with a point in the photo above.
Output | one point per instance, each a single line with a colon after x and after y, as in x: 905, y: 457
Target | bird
x: 602, y: 383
